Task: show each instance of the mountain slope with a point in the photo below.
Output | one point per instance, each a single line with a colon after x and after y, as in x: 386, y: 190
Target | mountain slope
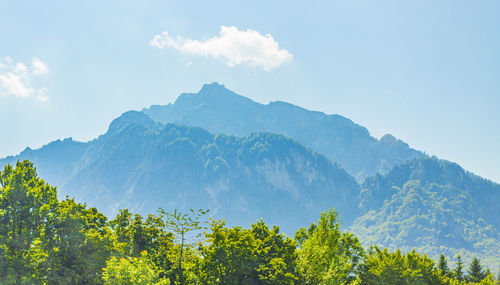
x: 220, y: 110
x: 141, y: 165
x: 434, y: 206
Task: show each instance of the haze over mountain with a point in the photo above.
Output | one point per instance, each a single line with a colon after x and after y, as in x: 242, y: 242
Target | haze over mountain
x: 141, y: 165
x: 220, y: 110
x: 148, y: 159
x: 432, y: 205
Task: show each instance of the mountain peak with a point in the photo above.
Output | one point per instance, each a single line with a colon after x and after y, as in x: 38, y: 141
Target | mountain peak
x: 130, y: 117
x: 211, y: 87
x: 216, y: 90
x: 212, y: 93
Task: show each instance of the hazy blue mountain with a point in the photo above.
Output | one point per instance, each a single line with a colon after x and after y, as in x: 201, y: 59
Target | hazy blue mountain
x: 55, y: 161
x: 220, y: 110
x: 434, y: 206
x: 144, y: 161
x: 141, y: 165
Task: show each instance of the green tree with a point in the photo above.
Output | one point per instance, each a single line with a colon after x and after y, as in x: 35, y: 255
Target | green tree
x: 139, y: 235
x: 248, y: 256
x: 458, y: 273
x: 121, y: 226
x: 28, y: 206
x: 443, y: 266
x: 276, y: 255
x: 384, y: 267
x: 475, y: 272
x: 228, y: 258
x: 131, y: 271
x: 80, y: 246
x: 186, y: 228
x: 326, y: 255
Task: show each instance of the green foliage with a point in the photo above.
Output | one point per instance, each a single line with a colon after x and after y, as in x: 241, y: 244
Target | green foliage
x: 443, y: 266
x: 185, y: 227
x: 80, y: 244
x: 458, y: 273
x: 47, y: 241
x: 430, y: 217
x: 475, y: 272
x: 247, y: 256
x: 384, y: 267
x: 130, y: 271
x: 27, y: 209
x: 138, y: 235
x: 326, y: 255
x: 43, y: 240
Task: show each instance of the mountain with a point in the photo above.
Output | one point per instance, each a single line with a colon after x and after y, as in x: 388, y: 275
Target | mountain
x: 142, y: 165
x: 220, y: 110
x: 164, y: 157
x: 433, y: 206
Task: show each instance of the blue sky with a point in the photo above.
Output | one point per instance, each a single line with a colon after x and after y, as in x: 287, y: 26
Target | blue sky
x: 427, y: 72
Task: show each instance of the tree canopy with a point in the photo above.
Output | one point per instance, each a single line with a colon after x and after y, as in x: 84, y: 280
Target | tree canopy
x: 44, y: 240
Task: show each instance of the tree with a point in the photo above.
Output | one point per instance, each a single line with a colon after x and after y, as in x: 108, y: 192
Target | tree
x: 475, y: 272
x: 326, y: 255
x: 121, y: 226
x: 149, y: 235
x: 259, y: 255
x: 28, y: 206
x: 384, y: 267
x: 443, y: 266
x: 138, y: 234
x: 276, y: 255
x: 459, y: 269
x: 81, y: 244
x: 186, y: 228
x: 130, y: 271
x: 228, y: 256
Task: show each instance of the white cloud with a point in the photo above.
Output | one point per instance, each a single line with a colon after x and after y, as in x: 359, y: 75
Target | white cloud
x: 16, y: 80
x: 14, y: 84
x: 232, y: 45
x: 39, y: 67
x: 20, y: 68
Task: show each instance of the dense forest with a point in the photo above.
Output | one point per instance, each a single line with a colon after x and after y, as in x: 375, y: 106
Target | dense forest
x: 44, y: 240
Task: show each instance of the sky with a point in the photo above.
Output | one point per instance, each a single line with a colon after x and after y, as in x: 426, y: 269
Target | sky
x: 427, y: 72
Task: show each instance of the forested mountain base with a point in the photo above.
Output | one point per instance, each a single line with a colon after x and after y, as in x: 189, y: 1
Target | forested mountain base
x: 434, y: 206
x: 47, y: 241
x: 142, y: 163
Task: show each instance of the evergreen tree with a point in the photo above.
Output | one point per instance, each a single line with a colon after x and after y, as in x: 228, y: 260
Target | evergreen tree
x: 459, y: 270
x: 475, y: 272
x: 443, y: 266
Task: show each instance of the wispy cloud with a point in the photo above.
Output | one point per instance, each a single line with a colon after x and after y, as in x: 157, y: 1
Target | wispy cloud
x: 39, y: 67
x: 234, y: 46
x: 16, y: 78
